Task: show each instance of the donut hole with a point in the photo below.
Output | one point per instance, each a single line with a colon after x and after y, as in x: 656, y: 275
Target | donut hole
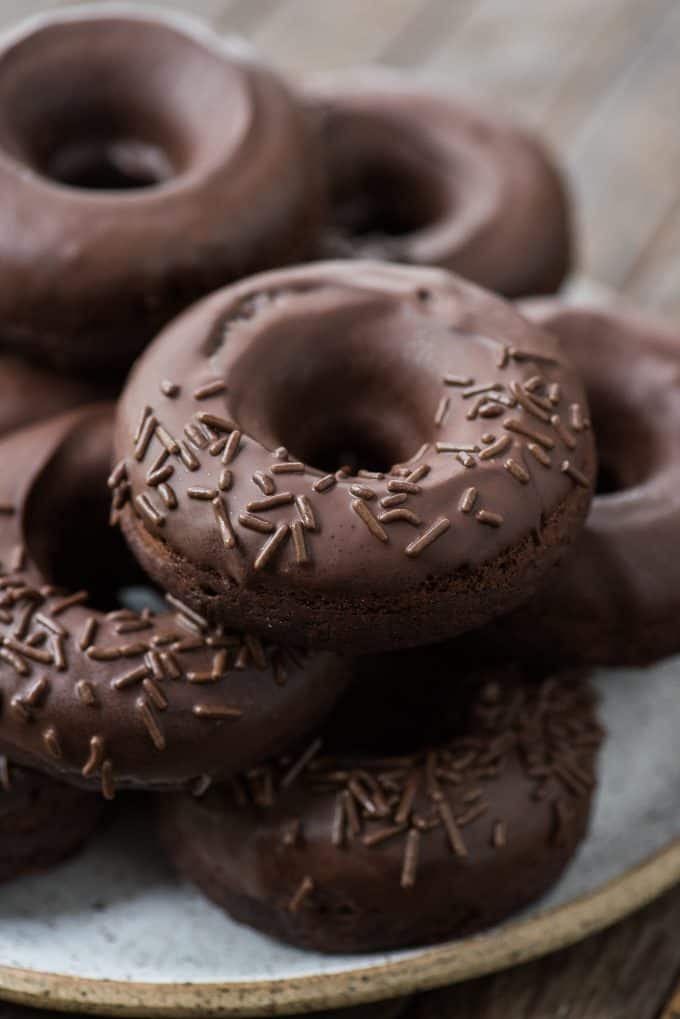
x: 625, y: 443
x: 382, y: 185
x: 117, y: 103
x: 344, y: 443
x: 67, y: 529
x: 108, y: 164
x: 335, y: 393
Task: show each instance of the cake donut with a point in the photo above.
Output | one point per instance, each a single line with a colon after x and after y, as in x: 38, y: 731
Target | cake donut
x: 363, y: 846
x: 417, y: 177
x: 615, y: 599
x: 144, y: 161
x: 356, y: 455
x: 30, y: 392
x: 42, y: 820
x: 122, y: 698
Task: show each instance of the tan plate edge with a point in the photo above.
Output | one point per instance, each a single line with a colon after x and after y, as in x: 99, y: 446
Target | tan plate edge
x: 445, y: 964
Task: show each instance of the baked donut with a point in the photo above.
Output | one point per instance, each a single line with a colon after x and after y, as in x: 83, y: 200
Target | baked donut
x: 30, y: 392
x: 417, y: 177
x: 615, y: 599
x: 42, y: 820
x: 144, y: 162
x: 277, y: 410
x: 122, y: 698
x: 366, y: 844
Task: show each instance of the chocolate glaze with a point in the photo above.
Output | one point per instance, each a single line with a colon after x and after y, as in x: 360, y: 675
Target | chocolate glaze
x: 42, y: 821
x: 30, y: 392
x: 380, y: 846
x: 122, y: 698
x: 615, y: 599
x: 396, y: 365
x: 143, y: 162
x: 417, y: 177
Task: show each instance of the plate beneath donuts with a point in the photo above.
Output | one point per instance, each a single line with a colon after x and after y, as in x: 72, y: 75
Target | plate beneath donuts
x: 113, y: 930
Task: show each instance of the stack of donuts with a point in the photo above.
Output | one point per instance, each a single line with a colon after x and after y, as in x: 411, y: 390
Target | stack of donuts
x: 298, y: 529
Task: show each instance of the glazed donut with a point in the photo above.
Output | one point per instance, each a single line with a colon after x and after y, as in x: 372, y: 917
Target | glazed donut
x: 42, y: 821
x: 615, y: 599
x: 143, y: 162
x: 30, y: 393
x: 276, y: 411
x: 122, y: 698
x: 359, y: 845
x: 417, y: 177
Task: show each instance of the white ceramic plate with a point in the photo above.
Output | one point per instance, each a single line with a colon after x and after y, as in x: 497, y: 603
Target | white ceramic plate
x: 114, y: 930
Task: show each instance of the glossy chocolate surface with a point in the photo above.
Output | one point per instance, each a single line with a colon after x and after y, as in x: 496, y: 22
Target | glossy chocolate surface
x: 143, y: 162
x: 449, y: 411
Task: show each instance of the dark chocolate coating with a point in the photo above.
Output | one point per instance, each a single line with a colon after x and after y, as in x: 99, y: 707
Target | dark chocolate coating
x: 42, y: 820
x: 392, y: 364
x: 115, y: 699
x: 29, y: 392
x: 416, y: 176
x: 375, y: 848
x: 145, y: 162
x: 615, y: 598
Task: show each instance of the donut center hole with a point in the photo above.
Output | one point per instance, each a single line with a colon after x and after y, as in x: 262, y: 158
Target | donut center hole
x: 608, y: 482
x: 84, y: 553
x: 340, y: 392
x: 382, y: 185
x: 382, y: 201
x: 346, y: 448
x: 67, y: 528
x: 109, y: 165
x: 626, y: 448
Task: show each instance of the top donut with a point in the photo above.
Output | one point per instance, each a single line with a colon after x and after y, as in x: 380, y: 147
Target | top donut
x: 417, y: 177
x: 353, y: 455
x: 143, y: 163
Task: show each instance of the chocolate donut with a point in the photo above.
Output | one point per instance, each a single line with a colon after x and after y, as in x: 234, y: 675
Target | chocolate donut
x: 144, y: 162
x: 417, y: 177
x: 42, y: 821
x: 615, y: 599
x: 30, y: 393
x: 248, y: 404
x: 353, y: 847
x: 122, y: 698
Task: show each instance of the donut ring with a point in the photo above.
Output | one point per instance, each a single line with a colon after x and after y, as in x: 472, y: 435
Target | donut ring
x: 615, y: 600
x: 122, y: 698
x: 42, y: 821
x: 396, y: 365
x: 143, y: 162
x: 364, y: 850
x: 29, y: 393
x: 417, y: 177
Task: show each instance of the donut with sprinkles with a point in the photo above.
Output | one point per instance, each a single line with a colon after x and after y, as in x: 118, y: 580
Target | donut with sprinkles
x: 361, y: 842
x: 315, y: 453
x: 122, y: 698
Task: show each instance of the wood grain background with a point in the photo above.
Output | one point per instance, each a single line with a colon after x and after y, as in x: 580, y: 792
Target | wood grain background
x: 600, y: 79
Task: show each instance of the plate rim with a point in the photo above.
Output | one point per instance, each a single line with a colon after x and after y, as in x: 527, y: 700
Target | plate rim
x: 437, y: 966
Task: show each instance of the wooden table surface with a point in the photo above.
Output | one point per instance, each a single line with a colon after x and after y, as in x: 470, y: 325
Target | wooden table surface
x: 600, y: 79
